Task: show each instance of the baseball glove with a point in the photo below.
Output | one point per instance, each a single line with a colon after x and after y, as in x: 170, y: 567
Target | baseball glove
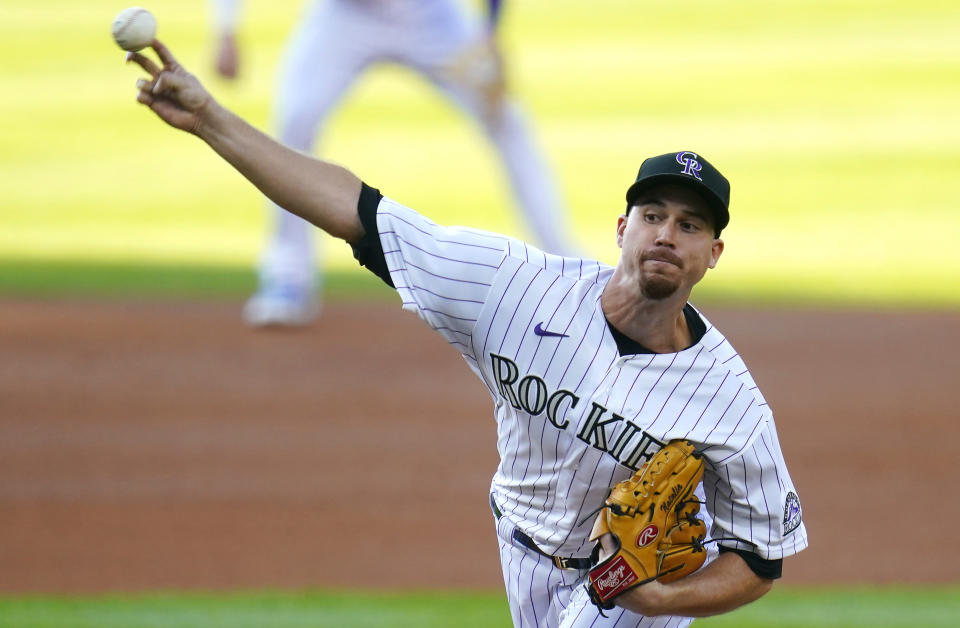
x: 653, y: 520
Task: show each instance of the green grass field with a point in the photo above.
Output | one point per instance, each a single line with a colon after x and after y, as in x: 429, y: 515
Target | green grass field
x: 836, y: 120
x: 856, y: 608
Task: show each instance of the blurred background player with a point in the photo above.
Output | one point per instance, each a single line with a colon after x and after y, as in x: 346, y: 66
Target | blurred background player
x: 334, y: 42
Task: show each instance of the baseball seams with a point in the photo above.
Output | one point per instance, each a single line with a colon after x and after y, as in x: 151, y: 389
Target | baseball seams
x: 124, y: 26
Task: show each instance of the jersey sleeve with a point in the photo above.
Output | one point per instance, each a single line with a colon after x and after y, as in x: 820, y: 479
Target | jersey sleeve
x: 753, y: 502
x: 443, y: 274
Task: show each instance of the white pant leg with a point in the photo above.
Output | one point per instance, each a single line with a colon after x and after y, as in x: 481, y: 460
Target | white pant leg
x: 326, y: 53
x: 534, y: 188
x: 542, y: 596
x: 582, y: 613
x: 537, y: 590
x: 437, y: 40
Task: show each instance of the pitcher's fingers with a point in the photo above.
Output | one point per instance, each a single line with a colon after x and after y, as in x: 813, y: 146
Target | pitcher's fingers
x: 144, y: 62
x: 144, y: 95
x: 145, y: 98
x: 166, y: 81
x: 144, y: 85
x: 163, y: 53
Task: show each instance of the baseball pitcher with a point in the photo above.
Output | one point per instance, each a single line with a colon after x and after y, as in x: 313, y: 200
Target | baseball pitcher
x: 641, y: 480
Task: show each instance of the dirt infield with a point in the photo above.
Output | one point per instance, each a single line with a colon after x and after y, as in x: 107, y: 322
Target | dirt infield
x: 165, y: 446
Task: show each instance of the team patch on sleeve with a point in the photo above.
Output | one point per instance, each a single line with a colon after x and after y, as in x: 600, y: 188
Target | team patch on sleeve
x: 792, y: 515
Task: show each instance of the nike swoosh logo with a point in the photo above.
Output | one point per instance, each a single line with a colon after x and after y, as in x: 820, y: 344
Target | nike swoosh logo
x: 540, y: 331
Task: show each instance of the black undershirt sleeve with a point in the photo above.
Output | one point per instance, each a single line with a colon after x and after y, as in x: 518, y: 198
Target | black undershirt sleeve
x: 769, y: 569
x: 368, y: 250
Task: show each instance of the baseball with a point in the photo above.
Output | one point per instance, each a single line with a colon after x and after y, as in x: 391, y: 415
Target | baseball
x: 134, y: 28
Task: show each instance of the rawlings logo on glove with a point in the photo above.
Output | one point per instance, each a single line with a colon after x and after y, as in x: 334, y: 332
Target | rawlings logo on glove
x: 657, y: 508
x: 648, y: 535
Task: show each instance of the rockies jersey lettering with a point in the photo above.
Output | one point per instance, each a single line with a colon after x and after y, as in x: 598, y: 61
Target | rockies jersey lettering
x: 592, y: 432
x: 573, y: 415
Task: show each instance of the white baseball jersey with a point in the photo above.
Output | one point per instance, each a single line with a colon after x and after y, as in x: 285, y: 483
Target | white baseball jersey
x: 574, y: 416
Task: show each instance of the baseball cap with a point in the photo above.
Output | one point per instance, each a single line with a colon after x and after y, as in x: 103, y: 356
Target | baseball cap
x: 689, y: 169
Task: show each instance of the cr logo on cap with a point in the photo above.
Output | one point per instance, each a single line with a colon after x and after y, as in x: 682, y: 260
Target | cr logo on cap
x: 690, y: 164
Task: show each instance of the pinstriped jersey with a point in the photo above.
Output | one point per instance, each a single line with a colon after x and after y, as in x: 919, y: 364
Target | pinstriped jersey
x: 573, y: 415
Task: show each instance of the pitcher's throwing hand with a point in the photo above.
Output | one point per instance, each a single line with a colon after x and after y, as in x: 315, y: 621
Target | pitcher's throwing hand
x: 174, y: 94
